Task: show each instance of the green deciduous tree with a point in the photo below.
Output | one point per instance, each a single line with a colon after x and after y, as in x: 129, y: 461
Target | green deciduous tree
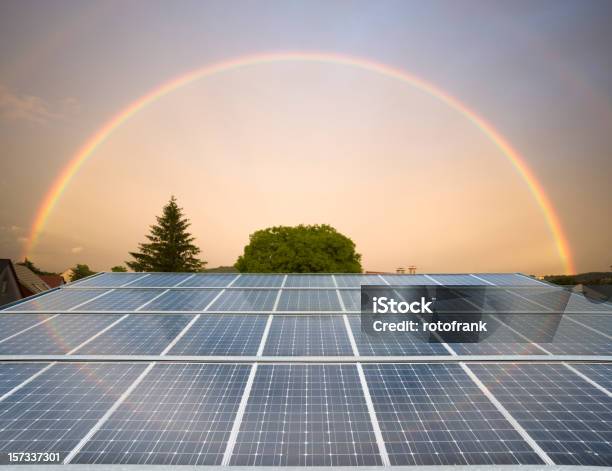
x: 170, y: 247
x: 80, y: 271
x: 300, y: 249
x: 119, y: 269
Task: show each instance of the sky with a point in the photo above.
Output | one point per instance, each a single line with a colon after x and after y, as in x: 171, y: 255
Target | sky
x: 410, y: 179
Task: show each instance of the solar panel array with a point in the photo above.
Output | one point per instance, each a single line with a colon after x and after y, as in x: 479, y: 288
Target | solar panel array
x: 274, y: 369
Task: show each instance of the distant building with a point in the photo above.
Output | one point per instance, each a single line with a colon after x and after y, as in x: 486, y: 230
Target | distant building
x: 9, y: 284
x: 53, y: 280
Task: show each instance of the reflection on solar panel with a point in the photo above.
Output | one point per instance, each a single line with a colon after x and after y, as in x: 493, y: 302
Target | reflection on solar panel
x: 160, y: 280
x: 12, y: 374
x: 435, y: 414
x: 121, y: 300
x: 182, y: 300
x: 450, y: 280
x: 107, y: 280
x: 392, y: 344
x: 58, y: 300
x: 601, y: 374
x: 57, y: 336
x: 601, y: 323
x: 405, y: 280
x: 10, y: 324
x: 54, y: 411
x: 355, y: 281
x: 259, y: 281
x: 308, y: 335
x: 309, y: 281
x: 137, y: 335
x: 509, y: 279
x: 245, y: 300
x: 351, y: 299
x: 209, y: 281
x: 179, y: 414
x: 309, y: 300
x: 222, y: 334
x: 568, y: 418
x: 306, y: 415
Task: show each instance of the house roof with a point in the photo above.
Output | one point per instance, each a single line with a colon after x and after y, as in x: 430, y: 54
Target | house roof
x: 30, y: 280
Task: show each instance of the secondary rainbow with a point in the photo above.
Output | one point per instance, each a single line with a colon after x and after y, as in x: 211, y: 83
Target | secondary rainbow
x: 99, y: 137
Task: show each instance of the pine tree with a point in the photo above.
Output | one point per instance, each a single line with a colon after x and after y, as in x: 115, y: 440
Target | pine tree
x: 170, y: 247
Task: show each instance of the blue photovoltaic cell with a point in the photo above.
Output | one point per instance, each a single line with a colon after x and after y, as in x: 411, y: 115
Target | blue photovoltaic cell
x: 391, y: 344
x: 55, y: 410
x: 407, y: 280
x: 107, y: 280
x: 121, y: 300
x: 57, y: 336
x: 138, y: 334
x: 309, y: 300
x: 183, y: 300
x: 600, y: 373
x: 436, y: 415
x: 310, y: 335
x: 578, y: 303
x: 569, y: 418
x: 602, y: 323
x: 355, y: 281
x: 13, y: 374
x: 306, y: 415
x: 351, y: 299
x: 309, y: 281
x: 509, y: 279
x: 259, y: 281
x: 222, y: 334
x: 245, y: 300
x: 160, y: 280
x: 58, y: 300
x: 450, y: 280
x: 180, y: 414
x: 209, y: 281
x: 10, y: 324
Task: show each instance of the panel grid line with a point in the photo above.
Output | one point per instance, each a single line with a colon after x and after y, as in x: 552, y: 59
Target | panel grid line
x: 108, y: 327
x: 151, y: 300
x: 91, y: 299
x: 31, y: 327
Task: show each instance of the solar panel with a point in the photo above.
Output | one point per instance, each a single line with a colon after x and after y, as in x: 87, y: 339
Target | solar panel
x: 602, y: 323
x: 351, y: 299
x: 307, y: 335
x: 306, y: 415
x: 57, y: 336
x: 11, y: 324
x: 401, y: 343
x: 355, y: 281
x: 137, y: 335
x: 259, y: 281
x: 309, y: 281
x: 309, y: 300
x: 407, y: 280
x: 578, y: 303
x: 222, y: 334
x: 565, y: 415
x: 436, y: 415
x: 13, y: 374
x: 160, y: 280
x: 245, y: 300
x: 180, y: 414
x: 450, y: 280
x: 58, y: 300
x: 209, y: 281
x: 509, y: 279
x: 600, y: 373
x: 183, y: 300
x: 55, y: 410
x: 107, y: 280
x: 121, y: 300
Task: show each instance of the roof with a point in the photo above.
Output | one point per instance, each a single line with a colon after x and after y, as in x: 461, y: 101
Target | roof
x: 53, y: 281
x: 30, y: 280
x: 274, y: 370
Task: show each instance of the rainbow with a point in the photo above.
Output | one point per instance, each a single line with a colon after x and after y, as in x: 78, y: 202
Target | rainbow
x: 99, y: 137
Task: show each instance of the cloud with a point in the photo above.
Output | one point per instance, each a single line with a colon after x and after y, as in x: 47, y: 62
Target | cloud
x: 78, y: 249
x: 19, y: 107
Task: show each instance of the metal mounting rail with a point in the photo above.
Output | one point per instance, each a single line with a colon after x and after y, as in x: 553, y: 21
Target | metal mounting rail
x: 313, y: 359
